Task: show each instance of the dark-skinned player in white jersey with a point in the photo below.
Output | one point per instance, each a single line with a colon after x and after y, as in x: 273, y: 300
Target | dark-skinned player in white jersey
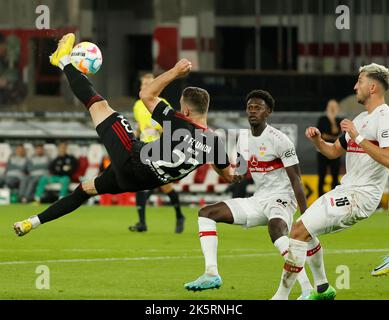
x: 271, y: 158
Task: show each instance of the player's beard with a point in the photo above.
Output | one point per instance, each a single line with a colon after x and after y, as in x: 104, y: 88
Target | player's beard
x: 362, y: 99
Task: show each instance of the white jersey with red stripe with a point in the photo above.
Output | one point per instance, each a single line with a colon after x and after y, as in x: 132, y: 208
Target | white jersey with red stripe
x: 363, y: 174
x: 267, y: 156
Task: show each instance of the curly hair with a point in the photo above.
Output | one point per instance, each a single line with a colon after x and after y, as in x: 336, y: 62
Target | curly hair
x: 264, y: 95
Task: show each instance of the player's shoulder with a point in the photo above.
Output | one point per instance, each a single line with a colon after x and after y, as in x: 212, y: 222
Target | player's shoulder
x: 276, y: 135
x: 383, y: 110
x: 360, y: 116
x: 165, y: 101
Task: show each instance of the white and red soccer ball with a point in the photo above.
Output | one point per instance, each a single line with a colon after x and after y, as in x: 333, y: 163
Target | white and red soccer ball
x: 86, y: 57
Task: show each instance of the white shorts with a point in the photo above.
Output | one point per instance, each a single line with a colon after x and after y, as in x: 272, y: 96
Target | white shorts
x: 334, y: 211
x: 256, y: 211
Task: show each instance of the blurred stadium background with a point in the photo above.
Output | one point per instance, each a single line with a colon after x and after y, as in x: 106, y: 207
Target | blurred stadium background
x: 291, y: 48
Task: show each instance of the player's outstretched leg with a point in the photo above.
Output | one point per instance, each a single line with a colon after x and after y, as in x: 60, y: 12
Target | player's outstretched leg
x: 208, y: 217
x: 382, y: 269
x: 58, y: 209
x: 323, y: 291
x: 297, y: 254
x: 278, y: 231
x: 79, y: 83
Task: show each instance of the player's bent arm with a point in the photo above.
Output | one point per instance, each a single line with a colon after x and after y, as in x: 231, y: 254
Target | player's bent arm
x: 150, y: 94
x: 227, y: 174
x: 224, y: 173
x: 330, y: 150
x: 298, y: 189
x: 381, y: 155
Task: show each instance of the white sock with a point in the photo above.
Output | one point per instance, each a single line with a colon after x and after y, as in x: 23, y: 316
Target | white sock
x: 208, y: 240
x: 316, y: 262
x: 282, y: 244
x: 64, y: 61
x: 297, y: 253
x: 34, y: 221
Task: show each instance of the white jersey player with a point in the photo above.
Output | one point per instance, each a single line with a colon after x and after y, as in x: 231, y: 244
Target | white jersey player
x: 366, y: 145
x: 271, y: 158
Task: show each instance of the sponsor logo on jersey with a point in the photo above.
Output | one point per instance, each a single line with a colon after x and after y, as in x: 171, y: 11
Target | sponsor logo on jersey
x: 264, y: 166
x: 290, y: 153
x: 354, y: 147
x: 385, y: 134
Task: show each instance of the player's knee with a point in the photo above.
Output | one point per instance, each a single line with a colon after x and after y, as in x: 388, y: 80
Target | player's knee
x: 299, y: 232
x: 167, y: 188
x: 277, y: 228
x: 89, y: 187
x: 206, y: 212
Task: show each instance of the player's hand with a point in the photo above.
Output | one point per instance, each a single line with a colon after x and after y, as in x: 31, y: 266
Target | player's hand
x: 313, y: 134
x: 182, y: 67
x: 237, y: 178
x: 348, y: 126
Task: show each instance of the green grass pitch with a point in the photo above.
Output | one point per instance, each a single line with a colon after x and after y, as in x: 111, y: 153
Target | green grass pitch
x: 92, y: 255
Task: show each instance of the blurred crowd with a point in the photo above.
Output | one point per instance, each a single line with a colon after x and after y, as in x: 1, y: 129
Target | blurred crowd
x: 12, y: 88
x: 28, y: 177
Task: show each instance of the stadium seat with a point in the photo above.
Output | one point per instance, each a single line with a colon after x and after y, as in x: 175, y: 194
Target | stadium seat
x: 94, y: 155
x: 81, y: 169
x: 5, y: 152
x: 206, y: 180
x: 74, y: 150
x: 183, y: 184
x: 29, y: 149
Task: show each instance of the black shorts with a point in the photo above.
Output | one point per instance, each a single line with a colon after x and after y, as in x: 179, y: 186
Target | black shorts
x: 126, y: 173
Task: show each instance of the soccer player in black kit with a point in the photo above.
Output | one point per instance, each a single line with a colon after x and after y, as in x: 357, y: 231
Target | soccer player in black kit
x: 185, y: 144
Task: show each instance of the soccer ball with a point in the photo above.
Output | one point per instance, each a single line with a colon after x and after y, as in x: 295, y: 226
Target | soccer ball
x: 86, y: 57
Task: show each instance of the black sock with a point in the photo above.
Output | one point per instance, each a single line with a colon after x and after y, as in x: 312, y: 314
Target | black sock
x: 322, y: 287
x: 175, y: 201
x: 81, y: 86
x: 64, y: 205
x: 148, y: 194
x: 141, y: 206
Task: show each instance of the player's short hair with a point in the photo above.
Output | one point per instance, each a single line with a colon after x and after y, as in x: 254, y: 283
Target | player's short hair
x: 264, y: 95
x: 197, y: 98
x: 377, y: 72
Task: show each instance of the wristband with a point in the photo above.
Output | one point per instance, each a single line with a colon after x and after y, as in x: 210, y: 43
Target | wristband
x: 359, y: 139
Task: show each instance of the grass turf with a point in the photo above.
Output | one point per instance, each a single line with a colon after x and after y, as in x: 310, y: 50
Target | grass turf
x: 92, y: 255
